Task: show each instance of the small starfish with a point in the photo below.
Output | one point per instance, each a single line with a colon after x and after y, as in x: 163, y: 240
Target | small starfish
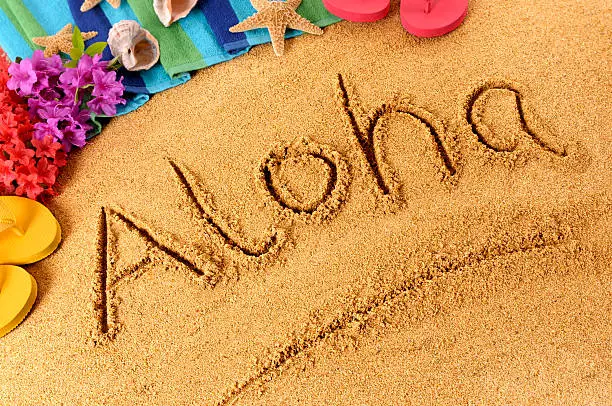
x: 62, y: 41
x: 276, y: 16
x: 89, y: 4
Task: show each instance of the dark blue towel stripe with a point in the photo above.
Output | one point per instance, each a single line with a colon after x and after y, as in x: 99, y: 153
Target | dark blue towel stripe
x: 221, y: 16
x: 96, y: 20
x: 92, y: 20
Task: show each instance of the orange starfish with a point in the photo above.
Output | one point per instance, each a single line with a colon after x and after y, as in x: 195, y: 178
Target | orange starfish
x: 89, y: 4
x: 276, y: 16
x: 61, y: 41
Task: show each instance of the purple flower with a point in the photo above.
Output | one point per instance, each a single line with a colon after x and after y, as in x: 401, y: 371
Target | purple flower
x: 53, y: 115
x: 82, y: 75
x: 107, y: 91
x: 63, y: 99
x: 54, y: 65
x: 46, y: 97
x: 43, y: 129
x: 106, y: 84
x: 23, y: 77
x: 39, y: 61
x: 47, y: 70
x: 102, y: 106
x: 74, y: 135
x: 73, y: 79
x: 75, y: 132
x: 81, y: 116
x: 54, y: 112
x: 98, y: 63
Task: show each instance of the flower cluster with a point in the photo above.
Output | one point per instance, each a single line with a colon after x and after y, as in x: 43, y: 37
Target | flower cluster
x: 28, y: 164
x: 63, y: 99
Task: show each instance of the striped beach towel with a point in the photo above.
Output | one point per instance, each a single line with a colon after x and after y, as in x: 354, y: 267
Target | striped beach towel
x: 200, y: 40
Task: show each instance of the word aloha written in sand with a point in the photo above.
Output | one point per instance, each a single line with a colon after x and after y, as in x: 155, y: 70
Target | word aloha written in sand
x: 228, y: 249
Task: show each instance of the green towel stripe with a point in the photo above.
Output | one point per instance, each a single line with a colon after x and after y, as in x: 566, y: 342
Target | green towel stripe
x: 176, y: 48
x: 23, y: 21
x: 315, y: 11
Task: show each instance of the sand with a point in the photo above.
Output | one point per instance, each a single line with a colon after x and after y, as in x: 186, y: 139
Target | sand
x: 371, y: 219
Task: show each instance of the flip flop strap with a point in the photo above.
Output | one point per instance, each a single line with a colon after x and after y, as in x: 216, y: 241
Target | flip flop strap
x: 7, y: 218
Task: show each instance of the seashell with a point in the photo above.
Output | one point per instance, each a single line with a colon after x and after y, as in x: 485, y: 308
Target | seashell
x: 168, y: 11
x: 135, y: 47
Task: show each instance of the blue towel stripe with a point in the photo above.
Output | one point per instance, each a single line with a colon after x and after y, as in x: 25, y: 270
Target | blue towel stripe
x: 52, y: 19
x: 12, y: 42
x: 157, y: 80
x: 243, y: 10
x: 114, y: 15
x: 221, y: 15
x: 207, y: 45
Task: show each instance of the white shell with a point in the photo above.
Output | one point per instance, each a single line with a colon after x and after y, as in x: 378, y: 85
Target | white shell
x: 168, y: 11
x: 135, y: 47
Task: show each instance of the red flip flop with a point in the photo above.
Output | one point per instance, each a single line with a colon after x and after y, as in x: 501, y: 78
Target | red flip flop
x: 432, y: 18
x: 359, y: 11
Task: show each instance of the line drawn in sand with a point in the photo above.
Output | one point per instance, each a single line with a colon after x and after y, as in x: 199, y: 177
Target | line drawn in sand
x: 300, y: 343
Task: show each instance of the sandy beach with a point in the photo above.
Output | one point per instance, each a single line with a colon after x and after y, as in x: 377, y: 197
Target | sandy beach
x: 372, y: 219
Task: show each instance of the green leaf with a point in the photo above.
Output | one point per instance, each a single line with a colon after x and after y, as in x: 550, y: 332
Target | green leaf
x: 95, y: 48
x: 71, y: 64
x: 75, y: 54
x: 114, y: 63
x: 77, y: 39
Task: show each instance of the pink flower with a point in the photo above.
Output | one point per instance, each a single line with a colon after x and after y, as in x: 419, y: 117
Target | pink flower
x: 23, y: 76
x: 82, y: 75
x: 106, y: 84
x: 74, y: 135
x: 107, y: 91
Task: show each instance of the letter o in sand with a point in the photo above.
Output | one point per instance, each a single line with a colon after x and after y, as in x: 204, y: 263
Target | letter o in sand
x: 318, y: 206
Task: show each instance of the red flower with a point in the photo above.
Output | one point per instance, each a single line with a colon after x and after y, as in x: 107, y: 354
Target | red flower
x: 28, y: 167
x: 6, y: 190
x: 60, y: 159
x: 28, y: 185
x: 7, y: 134
x: 19, y: 153
x: 46, y: 172
x: 46, y: 147
x: 7, y: 174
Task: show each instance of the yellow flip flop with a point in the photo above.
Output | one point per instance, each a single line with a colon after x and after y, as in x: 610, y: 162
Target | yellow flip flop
x: 28, y: 231
x: 17, y: 295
